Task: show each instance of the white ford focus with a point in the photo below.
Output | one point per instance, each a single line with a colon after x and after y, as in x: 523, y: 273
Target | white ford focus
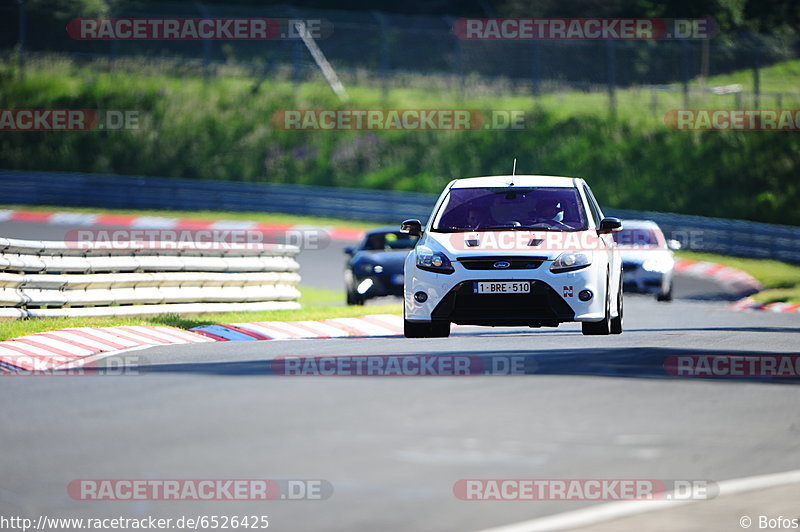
x: 514, y: 251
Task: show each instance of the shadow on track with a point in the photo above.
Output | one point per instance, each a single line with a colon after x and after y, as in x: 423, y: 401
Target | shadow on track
x: 631, y: 362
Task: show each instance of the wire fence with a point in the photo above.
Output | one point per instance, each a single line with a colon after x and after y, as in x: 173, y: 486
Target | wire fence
x: 393, y: 51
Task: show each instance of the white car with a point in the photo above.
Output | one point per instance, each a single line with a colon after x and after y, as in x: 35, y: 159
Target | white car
x: 514, y: 251
x: 647, y: 259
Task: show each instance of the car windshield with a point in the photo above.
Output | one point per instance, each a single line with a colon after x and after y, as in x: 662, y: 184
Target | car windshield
x: 534, y: 208
x: 639, y: 238
x: 389, y: 241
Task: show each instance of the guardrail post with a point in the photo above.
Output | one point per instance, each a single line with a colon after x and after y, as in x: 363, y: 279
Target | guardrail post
x: 654, y: 101
x: 383, y: 23
x: 611, y: 77
x: 114, y: 42
x: 297, y: 50
x: 458, y: 57
x: 685, y: 72
x: 23, y: 23
x: 536, y: 66
x: 206, y: 43
x: 756, y: 76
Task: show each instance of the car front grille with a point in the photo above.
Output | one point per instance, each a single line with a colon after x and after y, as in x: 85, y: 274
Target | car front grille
x: 514, y: 263
x: 461, y: 305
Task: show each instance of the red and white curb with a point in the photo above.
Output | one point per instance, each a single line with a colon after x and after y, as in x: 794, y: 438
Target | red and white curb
x: 737, y: 279
x: 49, y: 350
x: 68, y: 348
x: 749, y: 303
x: 162, y: 223
x: 364, y: 326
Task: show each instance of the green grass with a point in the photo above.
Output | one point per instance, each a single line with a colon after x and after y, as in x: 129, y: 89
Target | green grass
x: 221, y: 129
x: 779, y: 295
x: 260, y: 217
x: 781, y: 77
x: 781, y: 281
x: 317, y: 304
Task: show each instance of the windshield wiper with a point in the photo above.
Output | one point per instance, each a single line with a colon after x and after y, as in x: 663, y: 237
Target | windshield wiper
x: 535, y: 227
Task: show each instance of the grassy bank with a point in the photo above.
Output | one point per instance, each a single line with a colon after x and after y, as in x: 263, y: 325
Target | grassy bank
x: 222, y: 129
x: 781, y: 281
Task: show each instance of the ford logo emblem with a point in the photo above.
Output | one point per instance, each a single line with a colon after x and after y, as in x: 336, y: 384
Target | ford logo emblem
x: 501, y: 264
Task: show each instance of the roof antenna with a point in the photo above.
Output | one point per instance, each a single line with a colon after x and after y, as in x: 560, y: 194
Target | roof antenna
x: 513, y: 171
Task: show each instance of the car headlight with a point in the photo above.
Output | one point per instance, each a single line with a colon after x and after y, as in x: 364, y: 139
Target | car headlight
x: 365, y: 267
x: 569, y: 261
x: 657, y: 265
x: 432, y: 262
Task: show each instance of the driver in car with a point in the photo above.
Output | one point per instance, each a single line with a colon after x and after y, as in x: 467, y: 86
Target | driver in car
x: 477, y: 218
x: 547, y: 210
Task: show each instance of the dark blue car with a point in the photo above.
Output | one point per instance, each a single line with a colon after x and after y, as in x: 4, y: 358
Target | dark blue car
x: 375, y: 267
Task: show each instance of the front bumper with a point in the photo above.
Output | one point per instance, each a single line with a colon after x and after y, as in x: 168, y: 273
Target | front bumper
x: 636, y: 279
x: 553, y: 298
x: 541, y: 306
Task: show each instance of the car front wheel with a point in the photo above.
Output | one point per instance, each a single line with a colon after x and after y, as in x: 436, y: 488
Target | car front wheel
x: 616, y: 323
x: 434, y: 329
x: 665, y: 296
x: 602, y: 327
x: 354, y: 298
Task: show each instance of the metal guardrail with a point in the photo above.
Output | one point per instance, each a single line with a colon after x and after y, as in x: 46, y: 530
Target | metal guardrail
x: 47, y: 279
x: 126, y: 192
x: 718, y: 235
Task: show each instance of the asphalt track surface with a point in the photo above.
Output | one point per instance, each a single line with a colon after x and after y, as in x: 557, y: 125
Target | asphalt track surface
x: 393, y: 447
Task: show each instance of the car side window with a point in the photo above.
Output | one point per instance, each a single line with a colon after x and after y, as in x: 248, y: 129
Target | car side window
x: 596, y: 214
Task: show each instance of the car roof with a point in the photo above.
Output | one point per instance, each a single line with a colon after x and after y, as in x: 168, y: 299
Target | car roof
x: 518, y: 180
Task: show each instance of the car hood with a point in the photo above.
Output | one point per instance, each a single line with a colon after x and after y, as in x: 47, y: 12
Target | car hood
x: 548, y: 244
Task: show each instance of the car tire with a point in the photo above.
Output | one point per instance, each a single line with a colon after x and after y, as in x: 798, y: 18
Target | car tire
x: 440, y: 329
x: 617, y: 323
x: 599, y: 328
x: 354, y: 298
x: 412, y: 329
x: 665, y: 296
x: 425, y: 329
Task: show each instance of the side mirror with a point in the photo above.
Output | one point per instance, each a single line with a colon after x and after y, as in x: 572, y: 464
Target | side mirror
x: 608, y: 225
x: 411, y: 227
x: 674, y: 245
x: 349, y: 250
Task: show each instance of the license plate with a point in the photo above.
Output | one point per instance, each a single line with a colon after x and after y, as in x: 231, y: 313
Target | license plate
x: 505, y: 287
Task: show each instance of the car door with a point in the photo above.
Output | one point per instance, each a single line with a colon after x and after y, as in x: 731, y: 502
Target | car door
x: 609, y: 247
